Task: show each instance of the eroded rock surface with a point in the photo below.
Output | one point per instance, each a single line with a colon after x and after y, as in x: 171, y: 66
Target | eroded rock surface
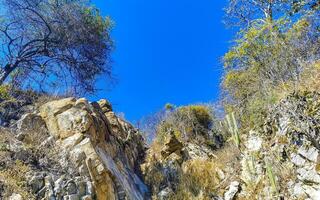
x: 97, y: 154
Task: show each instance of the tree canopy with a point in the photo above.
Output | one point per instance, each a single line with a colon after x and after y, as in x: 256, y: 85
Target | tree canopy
x: 279, y: 42
x: 53, y: 44
x: 244, y: 13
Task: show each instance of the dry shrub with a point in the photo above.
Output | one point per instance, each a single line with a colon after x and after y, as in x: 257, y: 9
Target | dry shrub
x: 189, y: 123
x: 309, y: 81
x: 15, y: 181
x: 152, y: 168
x: 203, y: 173
x: 229, y: 155
x: 310, y: 78
x: 199, y: 180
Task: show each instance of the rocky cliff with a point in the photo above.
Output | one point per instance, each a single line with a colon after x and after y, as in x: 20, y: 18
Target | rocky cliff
x: 72, y: 149
x: 279, y: 160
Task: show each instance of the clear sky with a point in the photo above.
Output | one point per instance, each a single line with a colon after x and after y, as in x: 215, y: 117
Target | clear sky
x: 167, y: 51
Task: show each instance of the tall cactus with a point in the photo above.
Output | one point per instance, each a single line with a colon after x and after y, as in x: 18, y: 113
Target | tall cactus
x: 271, y: 177
x: 233, y: 128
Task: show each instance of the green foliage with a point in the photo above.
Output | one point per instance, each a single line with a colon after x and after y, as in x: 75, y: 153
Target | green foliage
x: 201, y: 114
x: 169, y: 106
x: 60, y: 45
x: 266, y: 56
x: 271, y: 177
x: 192, y: 122
x: 93, y: 18
x: 4, y: 92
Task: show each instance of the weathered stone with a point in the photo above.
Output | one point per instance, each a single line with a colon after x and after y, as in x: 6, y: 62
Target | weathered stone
x: 232, y: 191
x: 71, y: 187
x: 87, y: 152
x: 72, y: 140
x: 81, y: 128
x: 71, y: 197
x: 30, y: 122
x: 15, y: 196
x: 254, y: 142
x: 36, y: 183
x: 73, y: 121
x: 171, y: 146
x: 87, y: 197
x: 105, y: 105
x: 50, y: 110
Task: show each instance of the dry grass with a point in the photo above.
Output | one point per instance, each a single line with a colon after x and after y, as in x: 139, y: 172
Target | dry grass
x: 309, y: 81
x: 12, y: 173
x: 15, y: 181
x: 198, y: 178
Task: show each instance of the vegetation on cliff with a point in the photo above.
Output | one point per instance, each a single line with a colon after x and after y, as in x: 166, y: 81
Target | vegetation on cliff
x: 264, y: 145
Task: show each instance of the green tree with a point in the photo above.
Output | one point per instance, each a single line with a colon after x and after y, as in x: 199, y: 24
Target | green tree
x: 244, y: 13
x: 266, y: 55
x: 54, y: 43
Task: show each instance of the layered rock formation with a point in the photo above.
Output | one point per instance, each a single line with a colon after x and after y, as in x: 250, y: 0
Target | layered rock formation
x: 280, y: 160
x: 71, y: 149
x: 97, y: 154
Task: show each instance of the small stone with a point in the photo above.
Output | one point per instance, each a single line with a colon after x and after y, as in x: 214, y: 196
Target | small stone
x: 171, y: 146
x: 233, y: 190
x: 165, y: 193
x: 71, y: 188
x: 87, y: 197
x: 71, y: 197
x: 36, y: 183
x: 254, y: 143
x: 105, y: 105
x: 82, y: 188
x: 15, y: 196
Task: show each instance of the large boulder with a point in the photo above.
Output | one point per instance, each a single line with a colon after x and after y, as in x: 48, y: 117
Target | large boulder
x: 96, y: 141
x: 74, y: 150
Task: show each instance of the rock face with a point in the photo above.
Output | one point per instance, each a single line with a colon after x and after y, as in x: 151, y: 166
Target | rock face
x: 172, y: 146
x: 105, y: 149
x: 98, y: 154
x: 71, y: 149
x: 282, y: 158
x: 175, y: 169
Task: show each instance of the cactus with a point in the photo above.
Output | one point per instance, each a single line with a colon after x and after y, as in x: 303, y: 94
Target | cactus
x: 272, y: 177
x: 233, y: 128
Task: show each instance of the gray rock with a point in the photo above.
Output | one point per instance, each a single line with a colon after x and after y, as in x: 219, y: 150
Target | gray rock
x: 165, y: 193
x: 71, y: 197
x: 15, y: 196
x: 36, y: 183
x: 233, y: 190
x: 82, y: 188
x: 87, y: 197
x: 71, y: 188
x: 254, y: 142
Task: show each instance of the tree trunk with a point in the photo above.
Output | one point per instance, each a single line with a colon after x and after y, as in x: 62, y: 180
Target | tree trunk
x: 5, y: 72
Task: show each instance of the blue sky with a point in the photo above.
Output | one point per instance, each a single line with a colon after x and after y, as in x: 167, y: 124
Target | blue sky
x: 167, y: 51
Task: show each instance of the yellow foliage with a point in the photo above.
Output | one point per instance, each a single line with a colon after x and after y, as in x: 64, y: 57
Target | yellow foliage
x: 4, y: 92
x: 202, y: 172
x: 187, y: 122
x: 202, y: 113
x: 199, y: 179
